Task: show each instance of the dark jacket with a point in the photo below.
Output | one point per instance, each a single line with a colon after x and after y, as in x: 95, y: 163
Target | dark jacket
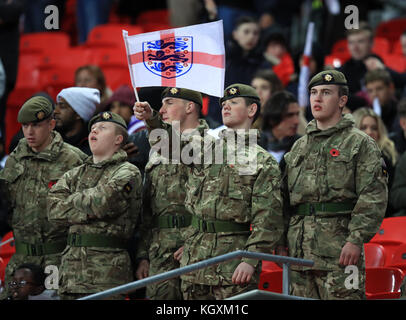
x: 398, y: 190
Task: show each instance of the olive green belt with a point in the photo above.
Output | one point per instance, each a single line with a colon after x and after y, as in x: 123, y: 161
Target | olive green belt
x: 39, y: 249
x: 213, y: 226
x: 172, y: 221
x: 96, y: 240
x: 309, y: 209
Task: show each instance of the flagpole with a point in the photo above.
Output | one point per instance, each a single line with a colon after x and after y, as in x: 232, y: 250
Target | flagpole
x: 125, y: 35
x: 304, y: 70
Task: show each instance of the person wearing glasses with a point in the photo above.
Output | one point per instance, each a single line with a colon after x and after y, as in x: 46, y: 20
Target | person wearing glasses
x: 28, y: 283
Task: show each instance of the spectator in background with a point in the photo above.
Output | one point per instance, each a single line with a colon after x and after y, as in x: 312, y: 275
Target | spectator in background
x: 266, y: 83
x: 368, y: 121
x: 280, y: 124
x: 243, y: 59
x: 398, y: 191
x: 92, y: 76
x: 91, y: 13
x: 74, y: 108
x: 360, y: 44
x: 399, y: 137
x: 10, y: 12
x: 230, y: 11
x: 28, y: 283
x: 379, y: 85
x: 275, y: 51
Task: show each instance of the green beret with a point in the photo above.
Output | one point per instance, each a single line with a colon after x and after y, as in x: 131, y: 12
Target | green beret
x: 328, y: 77
x: 239, y: 90
x: 182, y: 93
x: 35, y: 109
x: 107, y: 116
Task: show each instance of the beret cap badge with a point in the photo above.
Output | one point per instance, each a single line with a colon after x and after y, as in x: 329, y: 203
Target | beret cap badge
x: 106, y: 115
x: 174, y: 90
x: 232, y: 91
x: 328, y: 77
x: 40, y: 115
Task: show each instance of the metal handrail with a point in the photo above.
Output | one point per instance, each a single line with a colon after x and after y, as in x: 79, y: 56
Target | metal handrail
x: 129, y: 287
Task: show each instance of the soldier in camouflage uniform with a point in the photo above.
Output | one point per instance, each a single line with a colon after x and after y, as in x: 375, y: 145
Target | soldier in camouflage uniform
x: 100, y: 202
x: 39, y: 160
x: 226, y: 199
x: 336, y: 195
x: 165, y: 215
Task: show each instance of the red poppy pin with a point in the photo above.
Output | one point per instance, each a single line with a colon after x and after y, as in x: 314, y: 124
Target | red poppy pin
x: 50, y: 184
x: 334, y: 152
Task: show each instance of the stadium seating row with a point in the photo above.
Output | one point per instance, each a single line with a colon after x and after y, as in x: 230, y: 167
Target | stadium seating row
x: 385, y: 262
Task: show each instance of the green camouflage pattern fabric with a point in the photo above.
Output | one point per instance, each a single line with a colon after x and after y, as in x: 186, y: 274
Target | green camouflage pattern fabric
x: 340, y: 164
x: 192, y: 291
x: 327, y: 285
x: 110, y: 191
x: 232, y: 193
x: 26, y: 180
x: 227, y: 192
x: 164, y: 194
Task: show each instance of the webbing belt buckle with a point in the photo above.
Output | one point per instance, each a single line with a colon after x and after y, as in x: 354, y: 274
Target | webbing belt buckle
x: 312, y: 210
x: 35, y: 250
x: 204, y: 226
x: 73, y: 239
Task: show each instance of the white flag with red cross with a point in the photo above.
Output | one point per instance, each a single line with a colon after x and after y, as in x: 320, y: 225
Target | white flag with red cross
x: 191, y: 57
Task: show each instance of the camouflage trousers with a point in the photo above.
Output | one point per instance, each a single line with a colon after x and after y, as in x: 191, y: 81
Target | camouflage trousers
x: 327, y: 285
x: 75, y: 296
x: 193, y: 291
x: 166, y: 290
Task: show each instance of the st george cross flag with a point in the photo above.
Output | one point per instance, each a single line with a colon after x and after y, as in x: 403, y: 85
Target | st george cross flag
x: 190, y: 57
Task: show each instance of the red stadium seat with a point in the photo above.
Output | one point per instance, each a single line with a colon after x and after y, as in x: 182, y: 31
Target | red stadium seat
x: 374, y: 255
x: 383, y: 283
x: 109, y: 57
x: 270, y: 278
x: 2, y: 271
x: 7, y: 250
x: 116, y: 76
x: 381, y: 46
x: 27, y: 84
x: 395, y: 62
x: 391, y: 232
x: 41, y: 41
x: 68, y: 58
x: 340, y: 47
x: 54, y: 80
x: 397, y: 48
x: 110, y: 35
x: 398, y: 258
x: 391, y: 29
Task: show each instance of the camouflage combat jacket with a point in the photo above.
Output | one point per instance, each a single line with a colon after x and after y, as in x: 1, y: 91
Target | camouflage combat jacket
x: 103, y: 199
x: 164, y: 196
x: 338, y: 165
x: 26, y: 179
x: 222, y: 192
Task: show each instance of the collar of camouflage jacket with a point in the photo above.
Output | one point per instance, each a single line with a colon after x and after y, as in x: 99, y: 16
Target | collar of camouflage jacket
x: 50, y: 153
x: 118, y: 157
x: 346, y: 121
x: 239, y: 134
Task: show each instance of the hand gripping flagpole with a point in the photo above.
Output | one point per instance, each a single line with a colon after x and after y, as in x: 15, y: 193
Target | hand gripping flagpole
x: 304, y: 70
x: 125, y: 37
